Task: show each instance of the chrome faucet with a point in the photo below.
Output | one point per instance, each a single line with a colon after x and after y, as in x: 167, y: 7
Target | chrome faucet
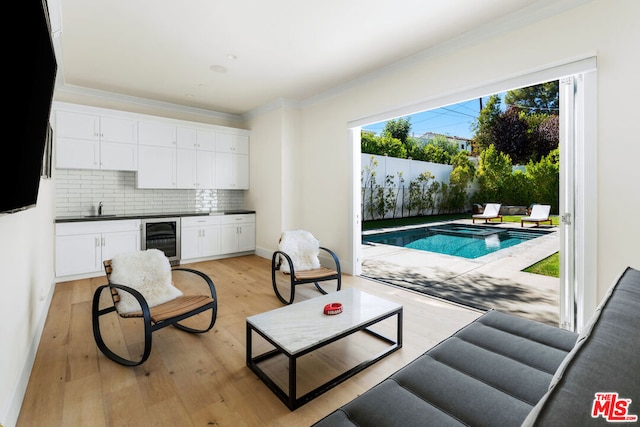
x: 100, y: 209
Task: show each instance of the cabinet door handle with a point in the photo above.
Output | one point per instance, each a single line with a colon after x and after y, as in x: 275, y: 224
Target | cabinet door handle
x: 97, y: 240
x: 103, y: 241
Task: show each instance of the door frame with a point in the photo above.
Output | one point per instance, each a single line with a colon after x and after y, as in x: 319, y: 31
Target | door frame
x: 579, y: 272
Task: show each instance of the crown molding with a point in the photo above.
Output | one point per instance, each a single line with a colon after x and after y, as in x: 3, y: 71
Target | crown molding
x: 271, y: 106
x: 134, y: 100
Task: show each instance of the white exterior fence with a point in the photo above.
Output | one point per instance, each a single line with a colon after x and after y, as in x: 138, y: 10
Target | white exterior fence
x: 375, y: 187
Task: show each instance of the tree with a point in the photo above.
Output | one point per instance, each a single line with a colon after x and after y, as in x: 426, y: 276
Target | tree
x: 454, y: 196
x: 369, y: 143
x: 543, y: 98
x: 483, y: 137
x: 545, y: 176
x: 525, y: 130
x: 510, y: 135
x: 392, y: 147
x: 545, y: 136
x: 494, y: 170
x: 398, y: 128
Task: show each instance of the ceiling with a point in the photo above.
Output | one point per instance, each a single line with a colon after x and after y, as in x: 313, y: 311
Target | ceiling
x: 234, y: 56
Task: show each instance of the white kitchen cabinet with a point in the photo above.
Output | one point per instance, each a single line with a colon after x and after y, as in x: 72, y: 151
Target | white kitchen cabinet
x: 157, y: 167
x: 228, y: 142
x: 238, y: 233
x: 232, y: 171
x: 172, y: 156
x: 98, y: 138
x: 232, y: 161
x: 157, y: 155
x: 196, y: 139
x: 157, y: 133
x: 195, y: 158
x: 95, y: 141
x: 82, y: 246
x: 195, y: 169
x: 200, y: 236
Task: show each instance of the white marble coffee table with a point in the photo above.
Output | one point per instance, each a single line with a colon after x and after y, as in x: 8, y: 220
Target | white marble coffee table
x: 300, y: 328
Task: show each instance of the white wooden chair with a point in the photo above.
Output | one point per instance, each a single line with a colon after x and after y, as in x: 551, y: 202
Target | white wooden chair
x: 491, y: 211
x: 539, y: 213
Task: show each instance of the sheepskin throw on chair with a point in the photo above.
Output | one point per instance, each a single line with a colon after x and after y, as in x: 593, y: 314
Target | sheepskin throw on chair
x: 148, y: 272
x: 303, y: 249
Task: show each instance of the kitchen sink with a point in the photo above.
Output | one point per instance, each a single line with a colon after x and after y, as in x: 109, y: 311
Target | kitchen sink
x: 99, y: 216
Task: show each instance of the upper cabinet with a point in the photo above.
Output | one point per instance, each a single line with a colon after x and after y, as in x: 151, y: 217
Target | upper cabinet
x: 159, y: 134
x: 166, y: 153
x: 196, y: 158
x: 92, y: 141
x: 232, y: 161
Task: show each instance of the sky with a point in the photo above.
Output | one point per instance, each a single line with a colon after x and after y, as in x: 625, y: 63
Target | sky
x: 452, y: 120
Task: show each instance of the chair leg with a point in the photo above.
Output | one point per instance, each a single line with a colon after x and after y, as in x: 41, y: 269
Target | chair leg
x: 292, y: 291
x: 323, y: 291
x: 212, y: 307
x: 96, y: 312
x: 274, y: 281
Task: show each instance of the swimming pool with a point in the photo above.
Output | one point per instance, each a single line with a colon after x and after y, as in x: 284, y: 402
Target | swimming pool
x: 467, y: 241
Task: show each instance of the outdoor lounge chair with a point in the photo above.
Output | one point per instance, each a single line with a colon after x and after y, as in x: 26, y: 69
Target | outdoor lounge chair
x: 297, y: 257
x: 539, y: 213
x: 491, y: 211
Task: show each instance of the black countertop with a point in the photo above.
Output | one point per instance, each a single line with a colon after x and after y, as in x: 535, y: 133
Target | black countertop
x: 143, y: 216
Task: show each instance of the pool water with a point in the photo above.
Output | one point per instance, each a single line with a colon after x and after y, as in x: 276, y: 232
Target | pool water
x: 467, y: 241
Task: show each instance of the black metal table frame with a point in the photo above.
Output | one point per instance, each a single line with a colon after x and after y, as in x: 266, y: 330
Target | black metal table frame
x: 290, y: 398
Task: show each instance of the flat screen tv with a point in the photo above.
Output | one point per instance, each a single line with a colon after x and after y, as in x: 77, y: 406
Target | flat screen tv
x: 30, y: 69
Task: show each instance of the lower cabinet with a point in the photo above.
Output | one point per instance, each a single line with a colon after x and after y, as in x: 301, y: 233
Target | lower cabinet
x: 82, y: 246
x: 238, y: 233
x: 208, y: 236
x: 200, y: 236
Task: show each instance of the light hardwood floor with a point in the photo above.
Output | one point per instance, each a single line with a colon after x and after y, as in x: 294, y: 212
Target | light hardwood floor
x: 203, y: 380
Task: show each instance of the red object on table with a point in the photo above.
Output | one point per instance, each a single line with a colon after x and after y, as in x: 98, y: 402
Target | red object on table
x: 333, y: 308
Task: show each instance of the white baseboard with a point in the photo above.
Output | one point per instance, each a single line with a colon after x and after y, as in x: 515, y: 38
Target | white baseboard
x: 13, y: 411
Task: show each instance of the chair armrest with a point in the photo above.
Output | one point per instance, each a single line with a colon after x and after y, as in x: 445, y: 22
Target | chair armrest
x: 276, y: 261
x: 144, y: 306
x: 334, y: 256
x: 207, y: 279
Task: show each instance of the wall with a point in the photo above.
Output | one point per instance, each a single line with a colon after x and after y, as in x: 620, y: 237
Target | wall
x: 275, y: 165
x: 26, y: 285
x: 78, y: 192
x: 594, y: 28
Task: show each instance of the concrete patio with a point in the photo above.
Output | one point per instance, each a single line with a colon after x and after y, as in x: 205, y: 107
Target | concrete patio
x: 491, y: 281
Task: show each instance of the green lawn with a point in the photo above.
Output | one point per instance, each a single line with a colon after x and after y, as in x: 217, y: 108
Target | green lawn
x: 414, y: 220
x: 555, y: 220
x: 549, y: 266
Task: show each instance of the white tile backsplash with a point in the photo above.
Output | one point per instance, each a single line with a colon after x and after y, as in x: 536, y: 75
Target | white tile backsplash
x: 78, y: 192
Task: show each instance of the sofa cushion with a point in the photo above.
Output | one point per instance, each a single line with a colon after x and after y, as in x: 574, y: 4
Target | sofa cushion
x: 605, y: 360
x: 491, y: 372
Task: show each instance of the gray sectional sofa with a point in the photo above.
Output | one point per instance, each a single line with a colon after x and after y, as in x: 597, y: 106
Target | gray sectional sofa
x: 503, y: 370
